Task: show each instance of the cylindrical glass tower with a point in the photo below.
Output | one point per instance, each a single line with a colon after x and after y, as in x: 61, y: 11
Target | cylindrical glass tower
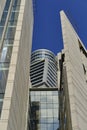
x: 43, y: 70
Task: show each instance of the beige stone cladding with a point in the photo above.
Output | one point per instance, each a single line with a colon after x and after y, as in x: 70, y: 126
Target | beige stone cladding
x: 15, y: 105
x: 77, y: 86
x: 58, y: 65
x: 2, y: 4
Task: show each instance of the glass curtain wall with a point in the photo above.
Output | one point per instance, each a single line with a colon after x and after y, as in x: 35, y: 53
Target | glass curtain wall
x: 44, y: 110
x: 6, y: 51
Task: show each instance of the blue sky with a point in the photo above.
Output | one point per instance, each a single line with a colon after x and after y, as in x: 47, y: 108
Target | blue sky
x: 47, y: 29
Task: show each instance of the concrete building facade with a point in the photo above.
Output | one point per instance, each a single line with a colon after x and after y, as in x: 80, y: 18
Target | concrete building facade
x: 60, y: 103
x: 43, y: 94
x: 15, y: 51
x: 73, y: 86
x: 2, y: 5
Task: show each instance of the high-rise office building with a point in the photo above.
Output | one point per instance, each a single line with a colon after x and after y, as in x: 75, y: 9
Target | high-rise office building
x: 16, y: 24
x: 71, y: 88
x: 43, y: 97
x: 73, y: 83
x: 56, y: 97
x: 43, y: 69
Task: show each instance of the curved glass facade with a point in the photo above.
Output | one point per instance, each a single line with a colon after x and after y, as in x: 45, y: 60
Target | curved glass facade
x: 43, y: 70
x: 43, y: 54
x: 43, y: 97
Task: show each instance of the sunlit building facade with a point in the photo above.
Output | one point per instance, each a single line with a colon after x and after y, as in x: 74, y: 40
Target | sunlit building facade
x: 40, y: 91
x: 70, y: 91
x: 15, y: 51
x: 73, y: 79
x: 43, y: 97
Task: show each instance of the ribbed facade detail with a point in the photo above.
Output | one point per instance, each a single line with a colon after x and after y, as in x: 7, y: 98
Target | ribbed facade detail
x: 43, y: 70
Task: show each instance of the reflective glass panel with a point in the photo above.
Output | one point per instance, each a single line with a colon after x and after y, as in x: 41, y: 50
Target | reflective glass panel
x: 44, y: 110
x: 8, y: 27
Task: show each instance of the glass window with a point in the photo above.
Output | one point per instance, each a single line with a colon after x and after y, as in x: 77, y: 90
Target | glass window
x: 3, y: 79
x: 16, y: 2
x: 43, y: 113
x: 49, y: 93
x: 55, y: 112
x: 6, y: 51
x: 4, y: 16
x: 13, y: 18
x: 4, y: 66
x: 37, y: 78
x: 45, y: 110
x: 50, y: 126
x: 50, y: 120
x: 49, y: 113
x: 51, y: 81
x: 32, y: 98
x: 49, y: 99
x: 55, y: 120
x: 8, y: 42
x: 43, y: 93
x: 55, y: 99
x: 10, y: 33
x: 1, y: 103
x: 32, y: 76
x: 7, y: 5
x: 37, y: 93
x: 49, y: 105
x: 16, y: 7
x: 1, y: 31
x: 37, y: 68
x: 43, y: 98
x: 56, y: 126
x: 40, y: 63
x: 1, y: 96
x: 55, y: 93
x: 43, y: 105
x: 43, y: 120
x: 6, y: 54
x: 43, y: 127
x: 37, y: 98
x: 55, y: 105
